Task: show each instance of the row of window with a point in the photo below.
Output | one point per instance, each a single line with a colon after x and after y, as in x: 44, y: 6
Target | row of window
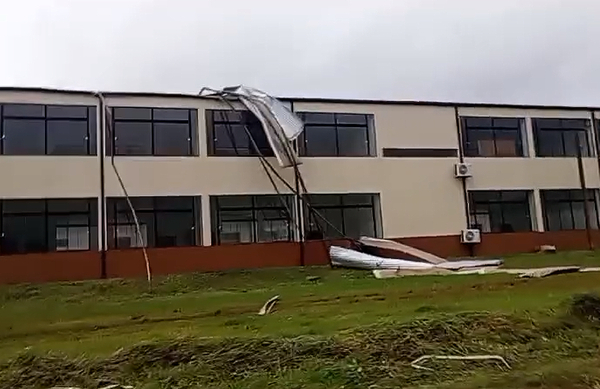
x: 33, y: 129
x: 72, y: 224
x: 506, y: 137
x: 511, y: 210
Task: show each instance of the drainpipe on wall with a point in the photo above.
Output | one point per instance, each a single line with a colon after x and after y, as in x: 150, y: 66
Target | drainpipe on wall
x: 461, y: 158
x: 101, y: 222
x: 583, y: 185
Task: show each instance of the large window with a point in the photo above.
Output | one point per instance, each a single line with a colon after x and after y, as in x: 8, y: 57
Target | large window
x: 565, y: 209
x: 493, y: 137
x: 500, y: 211
x: 32, y: 129
x: 353, y: 215
x: 30, y: 226
x: 246, y: 219
x: 164, y: 222
x: 337, y: 135
x: 228, y: 134
x: 154, y: 131
x: 561, y: 137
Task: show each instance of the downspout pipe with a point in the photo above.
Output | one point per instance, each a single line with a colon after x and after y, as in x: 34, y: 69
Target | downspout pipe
x: 102, y: 220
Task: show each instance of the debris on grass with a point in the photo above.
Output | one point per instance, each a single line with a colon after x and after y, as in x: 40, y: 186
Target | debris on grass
x: 416, y: 362
x: 268, y: 307
x: 363, y: 356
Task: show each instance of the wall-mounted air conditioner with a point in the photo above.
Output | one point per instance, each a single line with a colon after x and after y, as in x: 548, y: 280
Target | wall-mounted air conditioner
x: 462, y: 170
x: 470, y: 236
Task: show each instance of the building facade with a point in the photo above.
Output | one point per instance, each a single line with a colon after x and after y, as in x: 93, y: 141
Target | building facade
x: 202, y: 197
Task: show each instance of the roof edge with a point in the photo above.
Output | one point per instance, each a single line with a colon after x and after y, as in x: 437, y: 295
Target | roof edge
x: 307, y: 99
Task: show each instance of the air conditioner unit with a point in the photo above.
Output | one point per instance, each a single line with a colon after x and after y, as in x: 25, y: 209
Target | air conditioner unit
x: 470, y: 236
x: 462, y: 170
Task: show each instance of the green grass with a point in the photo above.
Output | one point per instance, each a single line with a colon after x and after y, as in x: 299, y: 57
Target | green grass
x: 93, y: 319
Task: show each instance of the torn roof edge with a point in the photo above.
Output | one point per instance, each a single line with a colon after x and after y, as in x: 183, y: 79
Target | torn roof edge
x: 328, y: 100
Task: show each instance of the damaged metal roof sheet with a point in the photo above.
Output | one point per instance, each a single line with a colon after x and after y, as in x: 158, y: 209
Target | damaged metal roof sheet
x: 281, y: 125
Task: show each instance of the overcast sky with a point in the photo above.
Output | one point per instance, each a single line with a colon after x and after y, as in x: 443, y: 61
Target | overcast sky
x: 525, y: 51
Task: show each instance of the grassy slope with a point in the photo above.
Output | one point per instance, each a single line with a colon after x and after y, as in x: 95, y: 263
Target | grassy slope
x: 96, y: 318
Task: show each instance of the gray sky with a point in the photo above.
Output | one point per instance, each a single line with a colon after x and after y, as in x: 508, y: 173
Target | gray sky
x: 525, y: 51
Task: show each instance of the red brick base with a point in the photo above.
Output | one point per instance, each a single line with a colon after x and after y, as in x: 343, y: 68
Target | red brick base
x: 73, y: 266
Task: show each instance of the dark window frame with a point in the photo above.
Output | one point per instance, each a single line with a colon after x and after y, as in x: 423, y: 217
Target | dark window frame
x: 310, y: 218
x: 112, y: 217
x: 586, y: 150
x: 191, y: 121
x: 503, y: 204
x: 368, y: 126
x: 494, y: 127
x: 569, y: 199
x: 216, y: 224
x: 90, y: 119
x: 248, y: 119
x: 45, y: 213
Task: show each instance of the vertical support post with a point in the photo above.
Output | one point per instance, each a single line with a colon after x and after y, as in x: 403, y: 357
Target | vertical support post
x: 584, y: 191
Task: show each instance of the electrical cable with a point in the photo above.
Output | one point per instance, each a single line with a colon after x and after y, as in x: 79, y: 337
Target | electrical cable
x: 109, y: 126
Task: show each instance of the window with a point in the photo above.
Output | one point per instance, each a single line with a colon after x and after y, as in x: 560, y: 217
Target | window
x: 30, y: 226
x: 500, y: 211
x: 354, y: 215
x: 561, y: 137
x: 337, y: 135
x: 246, y: 219
x: 564, y: 209
x: 154, y: 131
x: 164, y: 222
x: 493, y: 137
x: 33, y: 129
x: 227, y: 135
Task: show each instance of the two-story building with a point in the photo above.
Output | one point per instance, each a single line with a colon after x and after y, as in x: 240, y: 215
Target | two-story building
x: 204, y: 202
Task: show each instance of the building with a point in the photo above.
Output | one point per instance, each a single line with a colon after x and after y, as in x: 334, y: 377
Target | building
x: 379, y: 168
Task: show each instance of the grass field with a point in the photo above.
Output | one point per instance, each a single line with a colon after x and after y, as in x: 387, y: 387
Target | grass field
x: 325, y: 318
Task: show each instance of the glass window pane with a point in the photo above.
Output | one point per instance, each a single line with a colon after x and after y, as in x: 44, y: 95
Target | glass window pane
x: 553, y: 218
x: 550, y: 143
x: 508, y: 143
x: 174, y: 203
x: 318, y: 118
x: 359, y: 222
x: 231, y: 139
x: 353, y: 141
x: 317, y: 225
x: 566, y: 216
x: 235, y: 215
x: 172, y: 139
x: 578, y: 215
x: 234, y: 201
x: 272, y: 201
x: 357, y: 199
x: 320, y: 141
x: 23, y: 234
x: 175, y: 114
x: 132, y: 113
x: 324, y: 199
x: 506, y: 123
x: 481, y: 122
x: 272, y: 229
x: 67, y: 137
x: 68, y: 205
x: 236, y: 232
x: 480, y: 143
x: 133, y: 138
x: 23, y: 206
x: 174, y: 229
x: 516, y: 217
x: 23, y: 110
x: 67, y: 112
x: 24, y: 137
x: 351, y: 118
